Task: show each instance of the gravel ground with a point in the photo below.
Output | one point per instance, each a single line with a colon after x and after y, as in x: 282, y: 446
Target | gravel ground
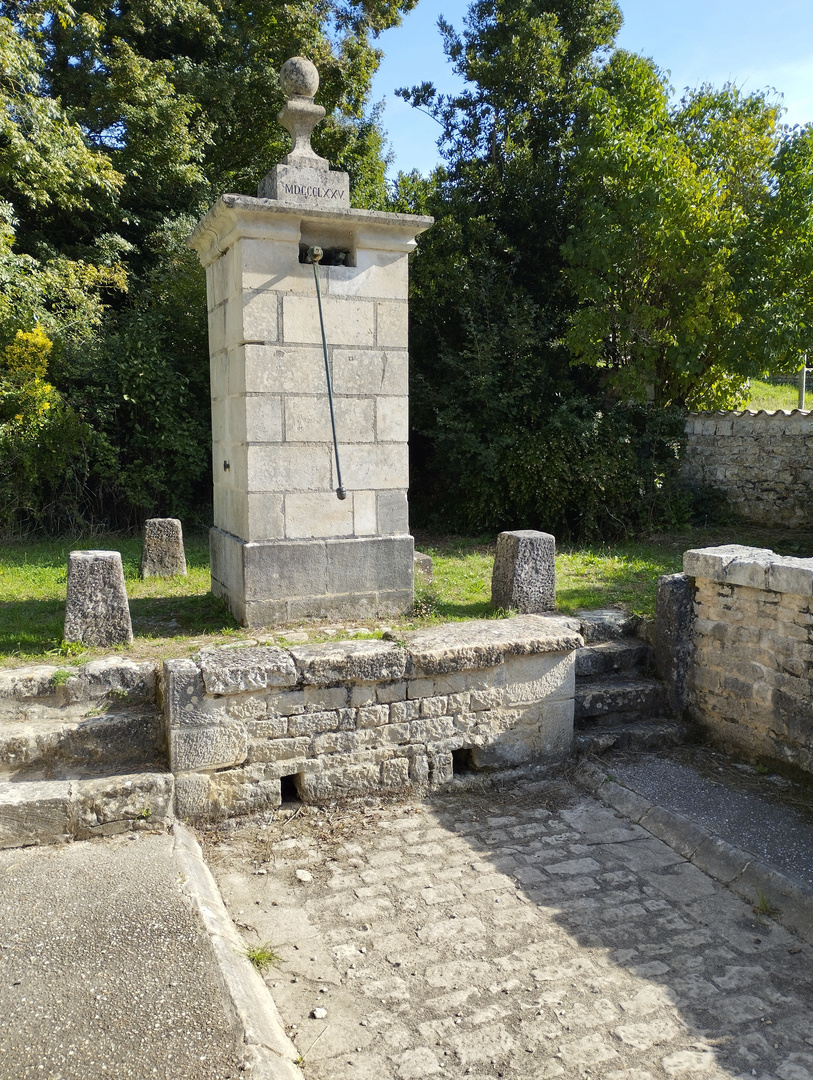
x: 767, y: 816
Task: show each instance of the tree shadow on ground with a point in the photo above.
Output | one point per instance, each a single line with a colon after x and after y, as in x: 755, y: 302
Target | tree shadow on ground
x: 632, y: 956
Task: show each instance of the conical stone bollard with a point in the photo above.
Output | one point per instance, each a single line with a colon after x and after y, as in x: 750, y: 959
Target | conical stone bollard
x: 163, y: 554
x: 96, y: 610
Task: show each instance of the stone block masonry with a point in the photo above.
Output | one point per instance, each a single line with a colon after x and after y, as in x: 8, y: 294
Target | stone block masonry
x: 275, y: 471
x: 345, y: 718
x: 750, y: 676
x: 762, y: 462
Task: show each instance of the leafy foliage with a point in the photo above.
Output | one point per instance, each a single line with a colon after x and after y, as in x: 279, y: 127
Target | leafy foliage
x: 681, y: 284
x: 596, y: 247
x: 119, y: 125
x: 488, y: 299
x: 41, y: 437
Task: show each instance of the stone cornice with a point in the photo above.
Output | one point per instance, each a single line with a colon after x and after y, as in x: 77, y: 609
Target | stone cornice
x: 237, y: 216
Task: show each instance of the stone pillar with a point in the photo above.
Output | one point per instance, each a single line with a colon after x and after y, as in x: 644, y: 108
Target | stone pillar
x: 674, y: 619
x: 163, y: 553
x: 524, y: 576
x: 283, y: 545
x: 96, y: 609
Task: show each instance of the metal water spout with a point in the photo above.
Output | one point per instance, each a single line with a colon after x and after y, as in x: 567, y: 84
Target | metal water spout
x: 314, y: 256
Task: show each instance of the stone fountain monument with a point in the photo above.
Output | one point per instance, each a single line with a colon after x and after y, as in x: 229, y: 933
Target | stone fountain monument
x: 292, y: 537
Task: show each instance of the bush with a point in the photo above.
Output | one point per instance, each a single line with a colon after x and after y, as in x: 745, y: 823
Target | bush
x: 143, y: 386
x: 583, y: 472
x: 43, y: 443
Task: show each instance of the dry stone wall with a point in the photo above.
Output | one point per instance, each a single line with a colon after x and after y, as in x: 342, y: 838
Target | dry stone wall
x: 763, y: 461
x: 350, y: 717
x: 750, y: 678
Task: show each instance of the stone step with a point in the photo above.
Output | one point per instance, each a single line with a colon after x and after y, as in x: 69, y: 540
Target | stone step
x: 55, y: 744
x: 618, y: 698
x: 44, y: 690
x: 54, y: 811
x: 634, y: 735
x: 613, y: 657
x: 607, y: 624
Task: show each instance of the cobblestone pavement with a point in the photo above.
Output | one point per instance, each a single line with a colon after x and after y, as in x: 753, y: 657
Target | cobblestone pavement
x: 526, y: 933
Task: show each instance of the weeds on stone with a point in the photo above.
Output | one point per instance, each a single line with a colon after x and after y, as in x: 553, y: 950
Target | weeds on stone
x: 301, y: 1059
x: 263, y: 956
x: 59, y: 678
x: 764, y: 908
x: 67, y: 648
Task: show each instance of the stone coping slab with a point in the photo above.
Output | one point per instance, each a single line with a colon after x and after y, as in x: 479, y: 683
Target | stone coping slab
x: 232, y: 670
x: 756, y: 568
x: 483, y: 643
x: 133, y: 679
x: 441, y: 650
x: 341, y: 661
x: 234, y: 215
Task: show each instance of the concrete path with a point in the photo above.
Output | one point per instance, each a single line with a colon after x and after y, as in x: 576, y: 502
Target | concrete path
x: 528, y: 933
x: 105, y: 968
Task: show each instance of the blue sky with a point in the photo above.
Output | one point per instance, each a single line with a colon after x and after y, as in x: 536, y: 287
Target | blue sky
x: 753, y: 43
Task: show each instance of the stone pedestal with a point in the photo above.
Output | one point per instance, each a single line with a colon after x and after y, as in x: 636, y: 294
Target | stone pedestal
x: 283, y: 545
x: 524, y: 576
x: 96, y: 609
x: 163, y: 552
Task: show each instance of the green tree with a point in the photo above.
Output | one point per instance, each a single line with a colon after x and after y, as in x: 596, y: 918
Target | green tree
x: 597, y: 248
x: 673, y: 256
x: 46, y: 169
x: 179, y: 99
x: 489, y: 303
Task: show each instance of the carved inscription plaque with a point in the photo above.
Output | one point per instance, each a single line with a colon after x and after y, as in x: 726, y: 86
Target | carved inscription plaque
x: 306, y: 187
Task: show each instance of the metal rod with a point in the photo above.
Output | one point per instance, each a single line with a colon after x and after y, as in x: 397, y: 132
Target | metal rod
x: 802, y: 379
x: 314, y: 255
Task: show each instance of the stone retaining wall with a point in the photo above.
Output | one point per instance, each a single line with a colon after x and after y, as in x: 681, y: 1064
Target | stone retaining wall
x: 763, y: 462
x: 750, y: 677
x: 359, y: 716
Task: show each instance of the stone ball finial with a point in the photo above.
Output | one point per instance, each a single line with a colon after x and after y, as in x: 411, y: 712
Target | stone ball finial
x: 299, y: 78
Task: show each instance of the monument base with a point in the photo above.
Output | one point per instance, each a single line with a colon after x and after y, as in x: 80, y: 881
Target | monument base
x: 272, y: 581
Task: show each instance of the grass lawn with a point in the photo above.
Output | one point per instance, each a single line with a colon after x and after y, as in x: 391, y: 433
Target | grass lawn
x: 178, y: 616
x: 767, y: 396
x: 167, y: 613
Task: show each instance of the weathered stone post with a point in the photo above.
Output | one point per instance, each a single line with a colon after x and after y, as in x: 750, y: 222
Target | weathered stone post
x: 96, y: 608
x: 524, y: 575
x: 163, y: 552
x: 283, y: 545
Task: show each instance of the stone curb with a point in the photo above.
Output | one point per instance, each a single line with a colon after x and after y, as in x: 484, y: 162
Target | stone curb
x: 753, y: 880
x: 268, y: 1053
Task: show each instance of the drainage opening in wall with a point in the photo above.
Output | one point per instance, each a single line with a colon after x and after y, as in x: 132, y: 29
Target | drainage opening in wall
x: 289, y: 786
x: 463, y: 761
